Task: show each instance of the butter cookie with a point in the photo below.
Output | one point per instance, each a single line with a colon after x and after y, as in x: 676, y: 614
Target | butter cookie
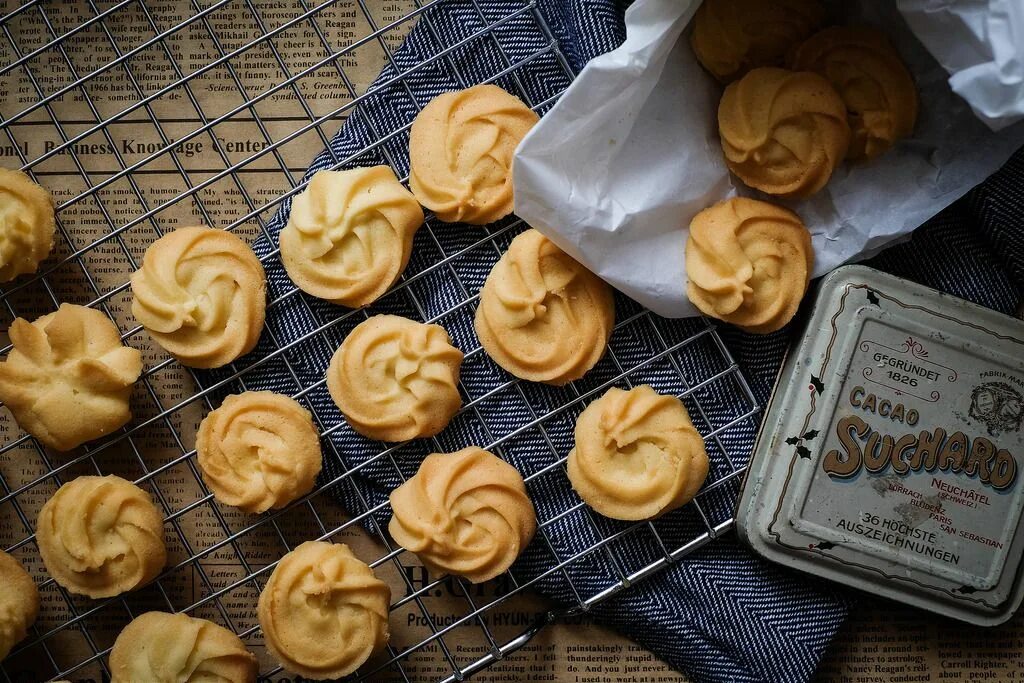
x: 730, y: 37
x: 19, y: 603
x: 68, y: 378
x: 323, y: 612
x: 349, y: 235
x: 464, y: 513
x: 748, y: 263
x: 159, y: 647
x: 637, y: 455
x: 101, y: 536
x: 460, y: 151
x: 873, y: 81
x: 396, y: 379
x: 542, y: 316
x: 783, y: 132
x: 258, y: 451
x: 201, y: 295
x: 27, y: 224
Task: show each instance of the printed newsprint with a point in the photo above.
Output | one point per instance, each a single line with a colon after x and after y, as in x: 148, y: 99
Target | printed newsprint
x: 882, y: 643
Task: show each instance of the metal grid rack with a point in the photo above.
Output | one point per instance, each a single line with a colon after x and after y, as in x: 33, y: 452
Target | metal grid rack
x: 81, y: 270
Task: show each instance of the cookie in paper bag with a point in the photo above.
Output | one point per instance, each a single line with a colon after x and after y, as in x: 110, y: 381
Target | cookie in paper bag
x: 730, y: 37
x: 873, y: 81
x: 783, y: 132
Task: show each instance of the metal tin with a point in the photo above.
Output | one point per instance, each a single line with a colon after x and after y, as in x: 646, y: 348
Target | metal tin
x: 891, y: 455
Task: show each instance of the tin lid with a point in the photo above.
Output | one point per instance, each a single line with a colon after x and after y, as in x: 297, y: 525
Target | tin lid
x: 890, y: 457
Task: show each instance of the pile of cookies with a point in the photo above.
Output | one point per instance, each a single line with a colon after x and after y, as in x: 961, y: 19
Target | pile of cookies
x: 200, y: 293
x: 799, y: 100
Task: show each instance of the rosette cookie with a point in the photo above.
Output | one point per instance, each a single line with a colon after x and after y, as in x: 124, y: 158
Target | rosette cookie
x: 879, y: 92
x: 19, y: 603
x: 637, y: 455
x: 460, y: 152
x: 730, y: 37
x: 542, y: 316
x: 464, y: 513
x: 349, y: 234
x: 201, y: 295
x: 26, y: 224
x: 101, y: 536
x: 68, y: 379
x: 158, y: 647
x: 748, y: 263
x: 323, y: 612
x: 783, y: 132
x: 396, y: 379
x: 258, y: 450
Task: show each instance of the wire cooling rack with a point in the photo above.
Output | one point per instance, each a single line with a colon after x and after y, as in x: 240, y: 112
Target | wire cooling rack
x: 106, y: 218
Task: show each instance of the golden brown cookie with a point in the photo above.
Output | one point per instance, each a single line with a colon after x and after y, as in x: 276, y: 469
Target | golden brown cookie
x: 349, y: 234
x: 323, y: 612
x: 201, y: 295
x: 19, y: 603
x: 26, y: 224
x: 637, y: 455
x: 464, y: 513
x: 460, y: 152
x: 542, y: 316
x: 258, y: 451
x: 158, y: 647
x: 748, y: 263
x: 873, y: 81
x: 783, y: 132
x: 101, y: 536
x: 731, y: 37
x: 68, y: 378
x: 396, y: 379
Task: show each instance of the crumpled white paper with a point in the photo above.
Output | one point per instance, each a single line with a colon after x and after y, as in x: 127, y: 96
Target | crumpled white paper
x: 618, y: 167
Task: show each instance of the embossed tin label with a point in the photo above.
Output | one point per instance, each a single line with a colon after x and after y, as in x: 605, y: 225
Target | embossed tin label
x: 890, y: 457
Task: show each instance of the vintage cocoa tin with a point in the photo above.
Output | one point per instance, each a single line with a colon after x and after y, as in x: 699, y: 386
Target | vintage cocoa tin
x: 891, y: 454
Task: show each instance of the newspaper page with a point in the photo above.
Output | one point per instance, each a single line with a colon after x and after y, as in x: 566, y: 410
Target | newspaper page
x: 108, y: 217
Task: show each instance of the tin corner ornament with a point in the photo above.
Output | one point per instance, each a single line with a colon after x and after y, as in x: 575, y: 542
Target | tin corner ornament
x: 890, y: 456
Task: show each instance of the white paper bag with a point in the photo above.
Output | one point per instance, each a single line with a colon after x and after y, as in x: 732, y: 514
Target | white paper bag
x: 618, y: 167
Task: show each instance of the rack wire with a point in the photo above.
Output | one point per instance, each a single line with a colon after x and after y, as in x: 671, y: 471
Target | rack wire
x: 205, y: 79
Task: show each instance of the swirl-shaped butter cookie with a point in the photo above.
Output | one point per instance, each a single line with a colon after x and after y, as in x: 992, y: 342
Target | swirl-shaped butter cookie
x: 19, y: 603
x: 396, y: 379
x: 730, y: 37
x: 748, y: 263
x: 158, y: 647
x: 873, y: 81
x: 323, y: 612
x: 201, y: 295
x: 258, y: 450
x: 542, y: 316
x: 26, y: 224
x: 101, y: 536
x: 783, y: 132
x: 464, y: 513
x: 68, y: 379
x: 637, y: 455
x: 460, y: 153
x: 349, y: 234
